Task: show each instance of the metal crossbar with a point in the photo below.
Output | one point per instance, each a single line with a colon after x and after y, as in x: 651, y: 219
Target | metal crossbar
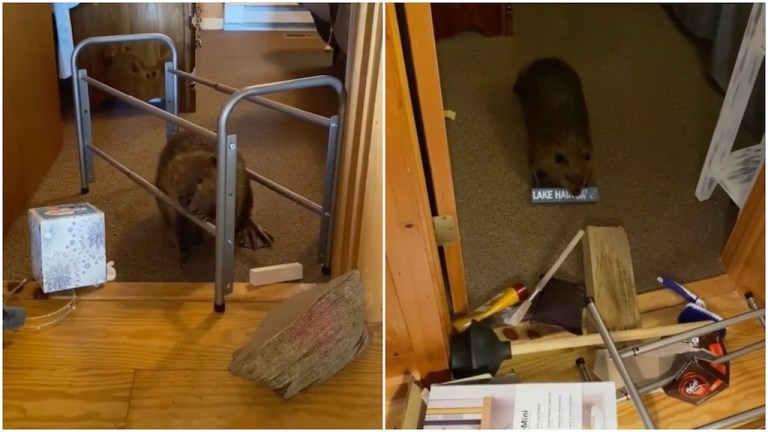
x: 636, y: 395
x: 226, y: 147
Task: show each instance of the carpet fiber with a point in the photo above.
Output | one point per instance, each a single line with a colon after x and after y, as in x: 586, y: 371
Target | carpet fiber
x: 286, y: 150
x: 652, y: 111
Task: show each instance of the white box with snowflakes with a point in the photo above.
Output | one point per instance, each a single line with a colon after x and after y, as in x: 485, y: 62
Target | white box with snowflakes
x: 68, y: 247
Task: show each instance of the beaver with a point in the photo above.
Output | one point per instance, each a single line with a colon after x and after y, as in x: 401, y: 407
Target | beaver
x: 560, y: 146
x: 186, y: 172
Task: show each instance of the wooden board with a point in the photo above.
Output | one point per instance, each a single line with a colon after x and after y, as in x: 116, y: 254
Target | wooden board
x: 609, y: 277
x: 76, y: 398
x: 180, y: 399
x: 167, y: 291
x: 744, y: 254
x: 426, y: 77
x: 32, y: 131
x: 411, y: 250
x: 116, y: 363
x: 357, y: 235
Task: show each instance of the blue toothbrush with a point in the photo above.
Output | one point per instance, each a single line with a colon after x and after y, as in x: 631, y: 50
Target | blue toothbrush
x: 684, y: 293
x: 696, y: 309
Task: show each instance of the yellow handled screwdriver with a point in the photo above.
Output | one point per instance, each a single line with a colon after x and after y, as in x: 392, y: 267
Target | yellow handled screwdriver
x: 509, y: 297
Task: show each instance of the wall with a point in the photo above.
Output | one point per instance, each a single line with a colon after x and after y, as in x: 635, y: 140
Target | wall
x: 212, y: 15
x: 212, y: 10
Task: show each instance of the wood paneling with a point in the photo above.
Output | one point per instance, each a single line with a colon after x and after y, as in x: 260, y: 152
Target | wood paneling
x: 487, y: 19
x: 413, y: 267
x: 357, y: 233
x: 136, y: 68
x: 744, y: 254
x: 32, y: 129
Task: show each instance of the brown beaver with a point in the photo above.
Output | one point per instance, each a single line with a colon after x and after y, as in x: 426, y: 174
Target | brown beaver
x: 560, y: 150
x: 186, y: 172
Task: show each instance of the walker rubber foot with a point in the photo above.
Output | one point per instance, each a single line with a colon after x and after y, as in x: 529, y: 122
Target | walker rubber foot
x: 326, y: 271
x: 219, y: 308
x: 84, y: 191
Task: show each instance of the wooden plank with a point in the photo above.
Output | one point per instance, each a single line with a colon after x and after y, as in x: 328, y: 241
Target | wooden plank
x: 119, y: 335
x: 609, y: 277
x: 432, y: 118
x: 411, y: 249
x: 182, y: 399
x: 400, y: 351
x: 370, y: 257
x: 355, y: 247
x: 42, y: 398
x: 167, y: 291
x: 747, y: 386
x: 744, y: 254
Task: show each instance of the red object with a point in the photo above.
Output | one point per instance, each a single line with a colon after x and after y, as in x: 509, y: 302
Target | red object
x: 699, y: 380
x: 522, y: 291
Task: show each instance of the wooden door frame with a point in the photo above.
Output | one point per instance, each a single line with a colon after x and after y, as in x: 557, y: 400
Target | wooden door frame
x: 358, y: 226
x: 744, y: 255
x: 428, y: 104
x: 417, y: 324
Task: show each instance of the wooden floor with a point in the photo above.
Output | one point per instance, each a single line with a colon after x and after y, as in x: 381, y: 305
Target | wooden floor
x: 135, y: 355
x: 747, y: 378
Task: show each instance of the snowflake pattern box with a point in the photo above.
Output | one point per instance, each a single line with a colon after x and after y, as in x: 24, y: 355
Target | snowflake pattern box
x: 68, y: 249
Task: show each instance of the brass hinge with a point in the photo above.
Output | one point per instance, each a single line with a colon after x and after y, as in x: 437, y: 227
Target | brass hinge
x: 445, y: 229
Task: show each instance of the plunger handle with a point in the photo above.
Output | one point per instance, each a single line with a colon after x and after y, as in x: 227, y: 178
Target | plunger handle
x: 544, y: 345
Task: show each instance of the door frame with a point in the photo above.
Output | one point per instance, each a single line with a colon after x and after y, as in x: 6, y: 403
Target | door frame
x: 417, y: 320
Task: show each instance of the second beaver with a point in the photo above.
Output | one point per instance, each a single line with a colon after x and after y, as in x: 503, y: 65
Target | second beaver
x: 556, y: 118
x: 186, y: 172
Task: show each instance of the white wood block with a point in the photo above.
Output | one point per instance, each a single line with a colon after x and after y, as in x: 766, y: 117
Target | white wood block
x: 276, y: 274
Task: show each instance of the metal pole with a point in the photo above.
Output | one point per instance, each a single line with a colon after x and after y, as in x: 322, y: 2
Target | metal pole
x: 709, y: 328
x: 735, y: 419
x: 207, y: 226
x: 84, y: 136
x: 171, y: 97
x: 277, y: 106
x: 329, y: 196
x: 722, y: 359
x: 226, y: 173
x: 619, y: 363
x: 585, y: 375
x: 752, y: 302
x: 284, y: 191
x: 140, y: 104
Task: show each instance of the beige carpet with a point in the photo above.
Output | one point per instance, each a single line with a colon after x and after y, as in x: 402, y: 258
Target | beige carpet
x: 286, y: 150
x: 652, y: 112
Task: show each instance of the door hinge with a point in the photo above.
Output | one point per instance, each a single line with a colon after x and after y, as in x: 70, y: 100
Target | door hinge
x: 445, y: 229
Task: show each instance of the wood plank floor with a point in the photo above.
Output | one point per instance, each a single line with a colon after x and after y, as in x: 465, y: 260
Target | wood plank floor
x: 156, y: 356
x: 747, y: 377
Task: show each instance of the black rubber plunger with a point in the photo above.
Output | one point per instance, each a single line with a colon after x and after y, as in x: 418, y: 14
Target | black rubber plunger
x: 477, y: 350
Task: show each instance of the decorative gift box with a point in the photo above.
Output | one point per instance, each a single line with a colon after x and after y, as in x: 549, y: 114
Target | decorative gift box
x: 68, y: 248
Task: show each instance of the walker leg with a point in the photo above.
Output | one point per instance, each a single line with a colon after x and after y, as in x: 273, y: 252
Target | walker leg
x: 620, y: 366
x: 171, y: 101
x: 329, y: 194
x: 83, y: 123
x: 225, y: 218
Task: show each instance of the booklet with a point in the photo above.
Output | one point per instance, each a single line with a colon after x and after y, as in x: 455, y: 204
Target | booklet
x: 589, y: 405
